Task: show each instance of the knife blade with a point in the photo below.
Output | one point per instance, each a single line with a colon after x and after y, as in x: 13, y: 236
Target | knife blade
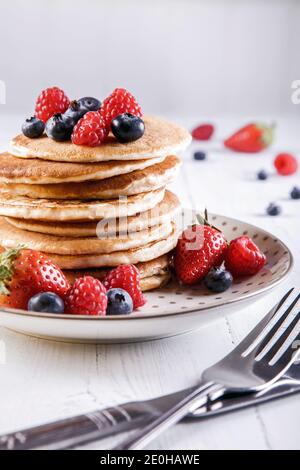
x: 89, y: 427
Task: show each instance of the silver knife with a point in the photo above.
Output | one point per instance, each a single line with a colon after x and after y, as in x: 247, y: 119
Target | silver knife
x: 89, y: 427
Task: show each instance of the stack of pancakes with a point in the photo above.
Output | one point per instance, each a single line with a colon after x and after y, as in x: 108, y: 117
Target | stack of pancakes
x: 93, y: 208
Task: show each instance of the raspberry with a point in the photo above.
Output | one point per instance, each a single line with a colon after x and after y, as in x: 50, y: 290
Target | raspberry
x: 286, y: 164
x: 126, y: 277
x: 203, y: 132
x: 49, y: 102
x: 119, y: 102
x: 90, y: 130
x: 243, y: 257
x: 87, y: 296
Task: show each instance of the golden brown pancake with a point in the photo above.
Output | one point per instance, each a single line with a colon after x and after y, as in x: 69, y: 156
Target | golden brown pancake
x: 135, y: 255
x: 165, y: 211
x: 154, y: 273
x: 11, y: 237
x: 161, y: 138
x: 57, y: 210
x: 139, y: 181
x: 37, y: 172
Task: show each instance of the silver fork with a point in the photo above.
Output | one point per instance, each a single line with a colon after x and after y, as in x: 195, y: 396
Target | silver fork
x: 258, y: 361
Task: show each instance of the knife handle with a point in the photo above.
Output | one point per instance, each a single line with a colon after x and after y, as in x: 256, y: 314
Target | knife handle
x: 73, y: 431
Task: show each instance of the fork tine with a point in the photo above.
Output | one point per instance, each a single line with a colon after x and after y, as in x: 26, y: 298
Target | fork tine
x: 270, y: 335
x: 246, y: 344
x: 281, y: 340
x: 290, y: 352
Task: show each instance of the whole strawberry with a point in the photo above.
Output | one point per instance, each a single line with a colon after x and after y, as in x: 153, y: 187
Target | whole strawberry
x: 24, y: 273
x: 127, y: 277
x: 243, y: 257
x: 119, y: 102
x: 200, y: 248
x: 49, y: 102
x: 90, y: 130
x: 251, y: 138
x: 87, y: 296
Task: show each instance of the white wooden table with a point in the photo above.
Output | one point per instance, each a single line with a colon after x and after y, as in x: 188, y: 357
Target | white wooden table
x: 43, y: 380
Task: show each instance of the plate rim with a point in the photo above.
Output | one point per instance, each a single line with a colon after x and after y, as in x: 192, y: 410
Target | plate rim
x: 139, y: 315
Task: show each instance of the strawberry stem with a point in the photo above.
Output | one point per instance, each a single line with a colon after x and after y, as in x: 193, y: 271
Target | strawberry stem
x: 7, y: 259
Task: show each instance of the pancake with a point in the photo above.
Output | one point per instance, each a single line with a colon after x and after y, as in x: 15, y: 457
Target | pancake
x: 161, y: 138
x: 11, y: 236
x: 139, y: 181
x: 165, y: 211
x: 36, y: 171
x: 154, y: 273
x: 57, y: 210
x: 135, y: 255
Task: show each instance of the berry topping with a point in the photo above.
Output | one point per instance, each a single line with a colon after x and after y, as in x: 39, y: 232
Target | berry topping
x: 87, y: 296
x: 295, y: 193
x: 119, y: 102
x: 262, y: 175
x: 119, y: 302
x: 218, y: 280
x: 47, y: 302
x: 90, y: 130
x: 126, y: 277
x: 24, y: 273
x: 33, y: 128
x: 199, y: 248
x: 59, y: 128
x: 49, y: 102
x: 200, y: 155
x: 286, y: 164
x: 75, y: 112
x: 273, y: 209
x: 89, y: 103
x: 203, y: 132
x: 251, y: 138
x: 243, y: 257
x: 127, y: 127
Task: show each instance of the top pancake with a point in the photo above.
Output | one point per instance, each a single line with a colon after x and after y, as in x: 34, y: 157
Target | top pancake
x: 36, y: 172
x: 161, y: 138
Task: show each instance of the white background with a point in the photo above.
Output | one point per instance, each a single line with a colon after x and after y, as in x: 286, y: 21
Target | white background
x: 200, y: 57
x: 187, y: 59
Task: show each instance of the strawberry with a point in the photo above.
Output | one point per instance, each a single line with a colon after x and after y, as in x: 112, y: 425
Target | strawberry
x: 24, y: 273
x: 243, y: 257
x: 251, y: 138
x: 200, y: 248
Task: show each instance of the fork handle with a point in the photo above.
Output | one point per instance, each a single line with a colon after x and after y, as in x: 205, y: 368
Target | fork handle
x: 197, y: 397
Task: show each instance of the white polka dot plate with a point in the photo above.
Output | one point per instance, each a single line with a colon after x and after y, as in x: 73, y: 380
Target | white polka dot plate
x: 170, y: 310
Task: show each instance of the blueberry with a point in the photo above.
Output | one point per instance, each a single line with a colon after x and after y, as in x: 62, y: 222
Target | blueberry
x: 295, y: 193
x: 127, y: 127
x: 33, y: 127
x: 273, y: 209
x: 218, y: 280
x: 47, y: 302
x: 74, y: 112
x: 199, y: 155
x: 89, y: 103
x: 119, y: 302
x: 262, y: 175
x: 59, y: 127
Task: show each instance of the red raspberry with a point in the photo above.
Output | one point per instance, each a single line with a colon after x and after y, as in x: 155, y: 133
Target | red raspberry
x: 87, y: 296
x: 286, y: 164
x: 126, y: 277
x: 90, y: 130
x: 243, y: 257
x: 203, y: 132
x: 49, y: 102
x: 119, y: 102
